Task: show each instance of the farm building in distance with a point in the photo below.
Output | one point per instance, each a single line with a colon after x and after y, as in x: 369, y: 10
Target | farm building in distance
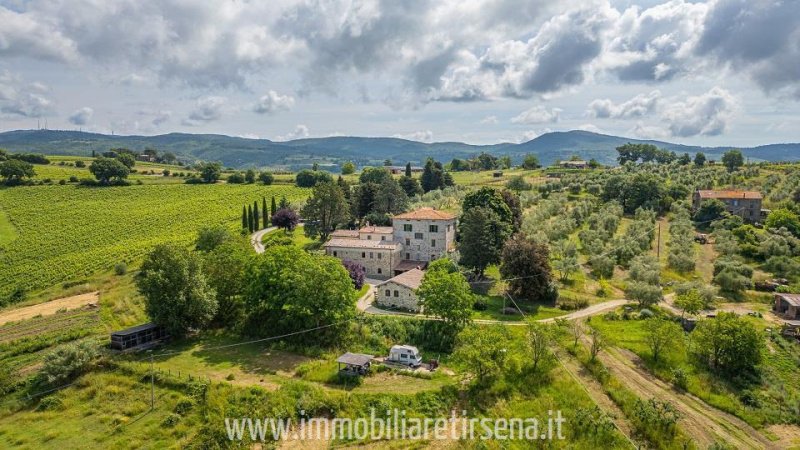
x: 745, y: 204
x: 578, y: 164
x: 397, y: 170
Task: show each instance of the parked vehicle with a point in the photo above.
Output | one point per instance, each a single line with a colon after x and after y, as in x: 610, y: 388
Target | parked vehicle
x: 405, y: 354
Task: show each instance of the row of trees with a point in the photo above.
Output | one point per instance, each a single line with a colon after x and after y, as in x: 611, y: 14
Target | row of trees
x: 648, y: 153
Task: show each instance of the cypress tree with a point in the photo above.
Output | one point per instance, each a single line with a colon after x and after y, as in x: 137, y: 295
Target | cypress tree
x: 244, y: 218
x: 274, y: 207
x: 264, y: 212
x: 256, y: 216
x: 250, y: 219
x: 408, y: 169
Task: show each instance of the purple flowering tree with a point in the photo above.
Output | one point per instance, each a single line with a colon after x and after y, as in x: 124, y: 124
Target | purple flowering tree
x: 285, y: 218
x: 357, y: 273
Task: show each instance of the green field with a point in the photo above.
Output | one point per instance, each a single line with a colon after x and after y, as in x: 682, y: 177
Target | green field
x: 68, y: 232
x: 7, y: 231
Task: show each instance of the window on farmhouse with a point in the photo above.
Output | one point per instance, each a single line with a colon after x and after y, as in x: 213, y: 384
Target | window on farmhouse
x: 397, y: 293
x: 417, y: 235
x: 408, y: 241
x: 379, y: 269
x: 379, y: 255
x: 388, y: 293
x: 433, y: 228
x: 363, y: 254
x: 334, y: 253
x: 433, y: 242
x: 407, y: 227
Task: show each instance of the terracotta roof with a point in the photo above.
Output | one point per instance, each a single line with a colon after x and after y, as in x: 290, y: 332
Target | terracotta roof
x: 425, y: 214
x: 345, y: 234
x: 748, y: 195
x: 361, y: 243
x: 376, y: 230
x: 411, y: 279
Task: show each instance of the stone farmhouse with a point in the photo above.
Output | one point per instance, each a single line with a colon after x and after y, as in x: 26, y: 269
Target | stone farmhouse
x: 389, y: 253
x: 745, y: 204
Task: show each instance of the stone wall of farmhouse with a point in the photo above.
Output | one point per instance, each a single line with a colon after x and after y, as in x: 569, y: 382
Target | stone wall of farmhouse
x: 420, y: 242
x: 378, y: 263
x: 396, y: 296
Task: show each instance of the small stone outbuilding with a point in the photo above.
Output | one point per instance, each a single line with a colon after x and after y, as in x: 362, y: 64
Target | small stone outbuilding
x: 399, y: 292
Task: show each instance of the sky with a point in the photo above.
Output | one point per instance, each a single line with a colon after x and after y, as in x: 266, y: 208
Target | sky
x: 717, y: 72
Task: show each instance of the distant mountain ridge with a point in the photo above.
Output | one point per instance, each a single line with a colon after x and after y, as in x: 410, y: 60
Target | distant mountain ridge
x: 332, y: 151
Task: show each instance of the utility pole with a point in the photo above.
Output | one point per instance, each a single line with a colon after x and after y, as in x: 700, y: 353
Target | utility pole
x: 152, y: 385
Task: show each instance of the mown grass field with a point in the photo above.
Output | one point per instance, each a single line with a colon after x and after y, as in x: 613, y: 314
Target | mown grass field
x: 68, y: 233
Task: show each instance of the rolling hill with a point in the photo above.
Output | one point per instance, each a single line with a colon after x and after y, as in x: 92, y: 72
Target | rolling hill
x: 330, y: 151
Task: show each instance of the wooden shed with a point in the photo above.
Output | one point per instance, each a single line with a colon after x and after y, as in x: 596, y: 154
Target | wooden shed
x: 354, y: 363
x: 787, y: 306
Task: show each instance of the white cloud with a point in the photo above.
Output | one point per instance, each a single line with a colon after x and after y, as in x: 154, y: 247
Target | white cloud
x: 206, y: 109
x: 273, y: 102
x: 19, y: 99
x: 81, y: 116
x: 300, y: 131
x: 639, y: 106
x: 419, y: 136
x: 489, y: 120
x: 707, y: 114
x: 537, y: 115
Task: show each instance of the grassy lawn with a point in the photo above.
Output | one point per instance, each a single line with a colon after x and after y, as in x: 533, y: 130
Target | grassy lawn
x: 494, y: 310
x: 295, y: 237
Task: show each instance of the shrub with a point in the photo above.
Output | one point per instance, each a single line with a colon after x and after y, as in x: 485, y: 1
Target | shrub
x: 73, y: 179
x: 80, y: 164
x: 679, y: 378
x: 52, y: 403
x: 120, y: 268
x: 171, y: 420
x: 480, y: 305
x: 67, y: 362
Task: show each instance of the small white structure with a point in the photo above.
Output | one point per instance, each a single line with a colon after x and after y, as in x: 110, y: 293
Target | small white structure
x: 405, y: 354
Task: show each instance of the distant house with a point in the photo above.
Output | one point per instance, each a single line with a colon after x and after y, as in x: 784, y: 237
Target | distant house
x: 145, y: 158
x: 397, y: 170
x: 400, y: 292
x: 574, y: 164
x: 745, y: 204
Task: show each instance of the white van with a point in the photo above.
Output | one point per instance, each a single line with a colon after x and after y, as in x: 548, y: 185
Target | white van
x: 406, y: 355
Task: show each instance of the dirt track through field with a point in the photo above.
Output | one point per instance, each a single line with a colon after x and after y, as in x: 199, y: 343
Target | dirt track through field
x: 702, y: 422
x: 49, y: 308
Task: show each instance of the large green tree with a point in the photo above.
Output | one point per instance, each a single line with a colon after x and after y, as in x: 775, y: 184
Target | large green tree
x: 484, y: 352
x: 210, y: 172
x: 729, y: 343
x: 16, y: 170
x: 290, y: 290
x: 487, y: 197
x: 324, y: 210
x: 444, y: 293
x: 733, y: 160
x: 390, y: 198
x: 106, y: 169
x: 526, y: 267
x: 224, y: 267
x: 483, y: 234
x: 176, y: 292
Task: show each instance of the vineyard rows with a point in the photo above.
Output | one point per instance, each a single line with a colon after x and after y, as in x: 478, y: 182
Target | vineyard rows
x: 68, y: 232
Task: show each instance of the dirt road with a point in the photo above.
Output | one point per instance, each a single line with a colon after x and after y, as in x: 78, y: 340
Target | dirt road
x: 48, y: 308
x: 704, y: 423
